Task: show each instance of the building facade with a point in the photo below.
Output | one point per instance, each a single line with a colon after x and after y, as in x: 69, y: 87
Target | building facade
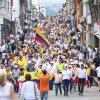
x: 5, y: 18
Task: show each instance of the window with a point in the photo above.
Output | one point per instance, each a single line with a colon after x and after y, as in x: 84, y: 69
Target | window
x: 8, y: 6
x: 81, y: 9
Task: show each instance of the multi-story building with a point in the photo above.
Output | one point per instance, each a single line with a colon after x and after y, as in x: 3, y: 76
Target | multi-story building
x: 5, y: 18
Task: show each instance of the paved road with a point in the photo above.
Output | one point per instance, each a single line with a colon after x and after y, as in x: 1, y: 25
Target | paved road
x: 89, y: 94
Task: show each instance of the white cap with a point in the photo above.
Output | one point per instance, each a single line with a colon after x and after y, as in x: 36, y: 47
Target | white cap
x: 51, y: 62
x: 70, y: 66
x: 89, y: 60
x: 16, y: 66
x: 40, y: 64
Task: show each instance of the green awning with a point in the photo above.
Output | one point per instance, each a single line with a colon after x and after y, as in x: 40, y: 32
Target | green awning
x: 88, y: 1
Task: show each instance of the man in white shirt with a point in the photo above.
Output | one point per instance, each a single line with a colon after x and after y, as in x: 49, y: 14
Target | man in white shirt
x: 81, y: 55
x: 81, y: 79
x: 2, y: 69
x: 98, y: 75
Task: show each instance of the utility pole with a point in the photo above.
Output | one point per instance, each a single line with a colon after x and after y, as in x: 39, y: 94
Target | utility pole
x: 99, y: 21
x: 39, y: 10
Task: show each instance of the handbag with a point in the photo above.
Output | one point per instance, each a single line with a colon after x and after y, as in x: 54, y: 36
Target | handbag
x: 36, y: 98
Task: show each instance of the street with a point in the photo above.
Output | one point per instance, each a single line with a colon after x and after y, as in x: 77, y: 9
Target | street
x: 89, y: 94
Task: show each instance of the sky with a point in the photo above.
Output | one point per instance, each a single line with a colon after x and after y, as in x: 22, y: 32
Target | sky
x: 49, y: 2
x: 53, y: 5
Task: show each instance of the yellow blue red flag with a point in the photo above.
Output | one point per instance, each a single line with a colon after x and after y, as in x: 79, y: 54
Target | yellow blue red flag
x: 41, y: 38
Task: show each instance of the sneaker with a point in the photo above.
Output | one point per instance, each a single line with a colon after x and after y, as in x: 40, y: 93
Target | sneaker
x: 66, y: 94
x: 79, y: 93
x: 56, y: 95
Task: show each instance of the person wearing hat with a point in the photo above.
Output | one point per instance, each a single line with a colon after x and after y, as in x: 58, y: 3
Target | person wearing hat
x: 92, y: 64
x: 81, y: 79
x: 52, y: 70
x: 16, y: 73
x: 38, y: 71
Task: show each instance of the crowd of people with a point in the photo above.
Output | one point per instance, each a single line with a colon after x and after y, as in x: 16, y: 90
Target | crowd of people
x: 69, y: 61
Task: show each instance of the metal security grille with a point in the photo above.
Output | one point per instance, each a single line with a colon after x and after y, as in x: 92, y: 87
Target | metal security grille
x: 98, y: 11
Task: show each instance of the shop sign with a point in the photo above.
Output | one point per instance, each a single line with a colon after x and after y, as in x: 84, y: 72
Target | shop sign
x: 82, y: 19
x: 89, y: 19
x: 97, y: 29
x: 87, y: 27
x: 79, y: 27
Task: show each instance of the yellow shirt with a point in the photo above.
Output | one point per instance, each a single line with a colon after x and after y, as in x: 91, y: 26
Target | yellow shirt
x: 38, y: 71
x: 74, y: 71
x: 41, y: 50
x: 88, y: 71
x: 16, y: 59
x: 20, y: 63
x: 25, y: 49
x: 69, y: 38
x: 5, y: 73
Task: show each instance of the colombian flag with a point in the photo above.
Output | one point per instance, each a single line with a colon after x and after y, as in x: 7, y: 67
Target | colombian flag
x: 41, y: 38
x: 34, y: 78
x: 56, y: 54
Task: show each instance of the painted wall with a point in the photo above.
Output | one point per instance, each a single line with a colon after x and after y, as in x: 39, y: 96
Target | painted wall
x: 16, y: 10
x: 77, y: 13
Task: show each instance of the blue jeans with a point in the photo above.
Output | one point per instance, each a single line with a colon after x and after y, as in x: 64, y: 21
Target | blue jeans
x: 58, y: 85
x: 44, y: 95
x: 51, y: 83
x: 16, y: 88
x: 74, y: 86
x: 66, y: 85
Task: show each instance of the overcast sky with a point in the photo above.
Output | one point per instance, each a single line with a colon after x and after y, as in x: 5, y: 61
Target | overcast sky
x: 49, y: 2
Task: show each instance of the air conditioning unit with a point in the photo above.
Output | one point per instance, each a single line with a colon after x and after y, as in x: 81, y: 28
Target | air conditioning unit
x: 95, y: 2
x: 2, y: 3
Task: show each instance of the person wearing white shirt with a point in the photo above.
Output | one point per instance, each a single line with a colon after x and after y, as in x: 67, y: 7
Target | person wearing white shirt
x: 81, y: 78
x: 29, y: 90
x: 80, y: 62
x: 81, y: 55
x: 12, y: 41
x: 71, y: 84
x: 66, y: 80
x: 2, y: 69
x: 98, y: 75
x: 2, y: 48
x: 90, y: 53
x: 75, y: 61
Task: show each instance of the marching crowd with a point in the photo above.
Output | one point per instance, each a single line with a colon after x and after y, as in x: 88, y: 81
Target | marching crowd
x: 67, y: 59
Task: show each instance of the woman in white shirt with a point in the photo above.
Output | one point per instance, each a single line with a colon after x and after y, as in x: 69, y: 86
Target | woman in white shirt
x: 66, y: 80
x: 6, y: 89
x: 29, y: 90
